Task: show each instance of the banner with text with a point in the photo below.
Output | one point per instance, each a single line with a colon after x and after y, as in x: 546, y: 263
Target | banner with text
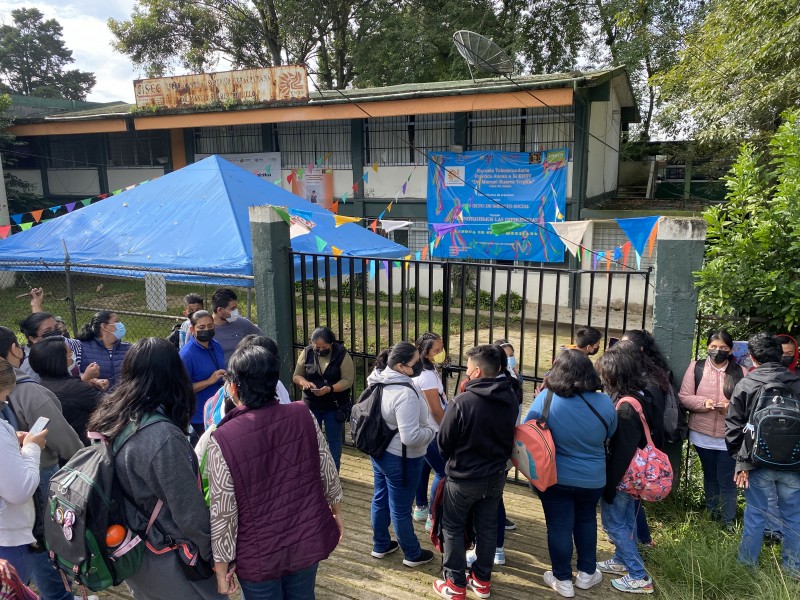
x: 266, y: 165
x: 470, y: 191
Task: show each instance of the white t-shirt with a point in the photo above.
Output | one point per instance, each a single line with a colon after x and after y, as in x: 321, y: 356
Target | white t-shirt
x: 429, y: 379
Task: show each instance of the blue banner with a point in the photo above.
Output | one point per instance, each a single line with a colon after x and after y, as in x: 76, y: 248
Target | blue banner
x: 518, y: 192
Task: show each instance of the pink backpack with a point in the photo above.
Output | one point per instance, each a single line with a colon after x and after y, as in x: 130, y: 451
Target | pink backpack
x: 649, y: 476
x: 534, y: 452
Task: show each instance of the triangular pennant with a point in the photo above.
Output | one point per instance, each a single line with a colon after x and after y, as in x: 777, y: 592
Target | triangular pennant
x: 608, y: 261
x: 375, y: 167
x: 86, y: 202
x: 396, y: 263
x: 335, y: 208
x: 424, y: 253
x: 579, y: 254
x: 371, y: 269
x: 626, y: 248
x: 70, y: 206
x: 298, y: 228
x: 438, y: 239
x: 300, y: 172
x: 4, y: 231
x: 344, y: 198
x: 407, y: 264
x: 318, y: 162
x: 444, y: 228
x: 17, y: 218
x: 327, y: 156
x: 571, y: 233
x: 638, y: 260
x: 587, y: 257
x: 617, y: 253
x: 336, y: 251
x: 366, y: 177
x: 278, y: 182
x: 374, y: 226
x: 320, y: 244
x: 290, y: 177
x: 404, y: 187
x: 355, y: 187
x: 283, y: 215
x: 651, y: 241
x: 638, y: 230
x: 388, y: 226
x: 595, y: 257
x: 115, y: 192
x: 37, y: 215
x: 380, y: 216
x: 389, y: 208
x: 341, y: 220
x: 431, y: 246
x: 55, y: 209
x: 505, y: 227
x: 25, y: 226
x: 385, y: 265
x: 303, y: 214
x: 417, y: 255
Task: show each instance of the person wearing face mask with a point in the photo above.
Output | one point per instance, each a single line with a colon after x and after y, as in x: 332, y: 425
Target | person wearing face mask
x: 587, y: 340
x: 204, y: 361
x: 790, y: 353
x: 429, y: 382
x: 101, y: 343
x: 192, y: 303
x: 397, y: 470
x: 706, y: 392
x: 325, y: 373
x: 511, y: 360
x: 229, y: 325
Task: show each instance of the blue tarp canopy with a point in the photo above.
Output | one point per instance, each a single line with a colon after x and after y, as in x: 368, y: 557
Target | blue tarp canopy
x: 193, y: 219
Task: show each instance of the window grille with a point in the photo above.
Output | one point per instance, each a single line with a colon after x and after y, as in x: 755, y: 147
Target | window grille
x: 408, y: 140
x: 75, y: 151
x: 527, y: 130
x: 305, y: 142
x: 138, y: 149
x: 228, y: 139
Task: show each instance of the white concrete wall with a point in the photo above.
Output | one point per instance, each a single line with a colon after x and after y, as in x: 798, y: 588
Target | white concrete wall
x: 32, y: 176
x: 73, y: 182
x: 123, y: 177
x: 388, y: 181
x: 604, y: 124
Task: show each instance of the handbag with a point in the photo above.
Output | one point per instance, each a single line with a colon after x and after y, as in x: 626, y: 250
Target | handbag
x: 649, y: 476
x: 343, y: 409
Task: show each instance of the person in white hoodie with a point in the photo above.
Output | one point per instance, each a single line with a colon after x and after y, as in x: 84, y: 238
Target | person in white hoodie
x: 18, y: 483
x: 397, y: 471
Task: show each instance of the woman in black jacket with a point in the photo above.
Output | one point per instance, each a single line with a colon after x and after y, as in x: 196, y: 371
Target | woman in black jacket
x: 621, y: 378
x: 52, y: 360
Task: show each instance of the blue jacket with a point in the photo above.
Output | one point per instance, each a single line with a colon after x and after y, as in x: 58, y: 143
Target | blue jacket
x: 579, y: 436
x: 200, y: 363
x: 110, y: 361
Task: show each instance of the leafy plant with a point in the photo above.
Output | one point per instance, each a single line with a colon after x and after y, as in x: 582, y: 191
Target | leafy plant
x: 512, y: 303
x: 438, y: 298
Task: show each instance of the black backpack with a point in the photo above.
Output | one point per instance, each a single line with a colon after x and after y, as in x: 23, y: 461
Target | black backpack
x: 84, y: 499
x: 369, y: 431
x: 775, y: 428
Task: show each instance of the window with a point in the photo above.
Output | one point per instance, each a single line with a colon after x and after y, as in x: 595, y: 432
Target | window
x: 397, y: 141
x: 526, y: 130
x: 229, y: 139
x: 75, y: 151
x: 138, y: 149
x: 306, y: 142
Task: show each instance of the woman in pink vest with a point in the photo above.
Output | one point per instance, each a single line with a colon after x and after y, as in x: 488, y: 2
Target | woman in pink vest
x: 273, y: 487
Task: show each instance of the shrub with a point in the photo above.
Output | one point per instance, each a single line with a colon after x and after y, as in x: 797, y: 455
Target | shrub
x: 438, y: 298
x: 512, y: 304
x: 484, y: 303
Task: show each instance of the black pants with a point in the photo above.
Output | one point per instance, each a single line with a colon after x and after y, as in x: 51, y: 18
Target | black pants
x: 482, y: 497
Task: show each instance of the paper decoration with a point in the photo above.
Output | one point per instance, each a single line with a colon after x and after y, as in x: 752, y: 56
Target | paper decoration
x: 389, y: 208
x: 318, y: 162
x: 17, y: 218
x: 375, y: 167
x: 638, y: 260
x: 404, y: 187
x: 571, y: 234
x: 651, y: 241
x: 355, y: 187
x: 115, y: 192
x: 417, y: 255
x: 335, y: 208
x: 4, y: 231
x: 320, y: 243
x: 86, y: 202
x: 617, y: 253
x: 386, y: 265
x: 303, y: 214
x: 424, y: 253
x: 341, y: 220
x: 597, y: 257
x: 297, y: 228
x: 70, y: 206
x: 608, y: 261
x: 431, y: 246
x: 290, y: 177
x: 37, y: 215
x: 26, y: 226
x: 638, y: 230
x: 626, y: 248
x: 388, y: 226
x: 283, y: 215
x: 55, y: 209
x: 365, y: 177
x: 505, y: 226
x: 374, y: 226
x: 336, y: 251
x: 300, y: 172
x: 587, y: 257
x: 444, y: 228
x: 371, y: 269
x: 344, y: 198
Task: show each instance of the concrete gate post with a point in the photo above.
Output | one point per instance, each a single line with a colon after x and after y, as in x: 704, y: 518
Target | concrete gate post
x: 271, y: 247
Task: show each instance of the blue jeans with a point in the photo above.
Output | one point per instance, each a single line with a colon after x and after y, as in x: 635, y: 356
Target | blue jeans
x: 433, y: 462
x: 774, y: 524
x: 20, y: 558
x: 719, y: 467
x: 642, y: 528
x: 619, y: 522
x: 391, y: 503
x: 44, y: 575
x: 571, y: 514
x: 294, y: 586
x: 760, y: 483
x: 482, y: 497
x: 333, y: 432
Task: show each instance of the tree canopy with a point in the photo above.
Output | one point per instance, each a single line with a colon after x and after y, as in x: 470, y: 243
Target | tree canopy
x: 34, y: 59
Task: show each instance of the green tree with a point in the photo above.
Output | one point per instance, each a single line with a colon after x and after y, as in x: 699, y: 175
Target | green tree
x: 753, y: 245
x: 34, y: 59
x: 20, y: 194
x: 738, y: 72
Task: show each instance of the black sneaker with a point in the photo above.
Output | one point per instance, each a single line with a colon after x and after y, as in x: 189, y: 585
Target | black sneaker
x: 425, y: 556
x: 393, y: 546
x: 510, y: 525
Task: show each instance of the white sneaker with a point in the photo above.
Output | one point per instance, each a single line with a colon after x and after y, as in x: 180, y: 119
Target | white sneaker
x: 92, y: 597
x: 586, y: 581
x: 611, y: 566
x: 564, y: 588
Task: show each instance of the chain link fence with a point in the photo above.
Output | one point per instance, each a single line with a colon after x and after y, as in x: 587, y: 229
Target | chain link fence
x: 148, y: 301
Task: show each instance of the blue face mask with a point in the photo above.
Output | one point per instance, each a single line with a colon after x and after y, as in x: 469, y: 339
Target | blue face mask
x: 119, y: 330
x: 512, y: 362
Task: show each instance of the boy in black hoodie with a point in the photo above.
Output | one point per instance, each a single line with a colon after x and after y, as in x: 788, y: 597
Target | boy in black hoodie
x: 476, y: 438
x: 765, y: 351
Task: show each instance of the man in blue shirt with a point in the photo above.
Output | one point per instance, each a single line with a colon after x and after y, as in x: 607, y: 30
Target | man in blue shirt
x: 205, y: 363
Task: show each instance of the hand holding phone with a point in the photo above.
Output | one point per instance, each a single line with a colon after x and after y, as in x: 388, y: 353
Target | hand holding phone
x: 39, y: 426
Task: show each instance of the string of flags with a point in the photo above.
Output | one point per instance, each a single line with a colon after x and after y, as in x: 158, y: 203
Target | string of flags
x: 24, y: 221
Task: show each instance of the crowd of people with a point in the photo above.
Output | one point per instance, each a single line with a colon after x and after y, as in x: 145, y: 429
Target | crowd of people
x: 242, y: 484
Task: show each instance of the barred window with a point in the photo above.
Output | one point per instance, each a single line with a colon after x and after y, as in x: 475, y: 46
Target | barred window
x: 408, y: 140
x: 304, y: 143
x: 228, y: 139
x: 138, y: 149
x: 526, y: 130
x: 75, y: 151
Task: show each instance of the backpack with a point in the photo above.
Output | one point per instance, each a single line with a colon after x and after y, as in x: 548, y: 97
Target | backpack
x: 84, y: 501
x: 369, y: 431
x: 534, y: 452
x: 649, y: 476
x: 174, y: 337
x: 775, y: 428
x: 437, y: 521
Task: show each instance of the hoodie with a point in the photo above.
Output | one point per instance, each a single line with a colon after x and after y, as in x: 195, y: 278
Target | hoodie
x: 793, y: 365
x: 17, y: 486
x: 406, y: 410
x: 476, y: 435
x: 743, y: 402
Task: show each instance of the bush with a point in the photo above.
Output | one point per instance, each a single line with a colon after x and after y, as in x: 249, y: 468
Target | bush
x: 484, y: 303
x: 310, y: 287
x: 438, y: 298
x: 512, y: 304
x: 354, y: 281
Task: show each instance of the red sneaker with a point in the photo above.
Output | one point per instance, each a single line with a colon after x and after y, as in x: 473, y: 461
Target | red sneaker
x: 482, y: 589
x: 448, y: 589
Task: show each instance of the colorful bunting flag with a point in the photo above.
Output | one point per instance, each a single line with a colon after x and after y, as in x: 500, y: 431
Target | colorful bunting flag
x: 651, y: 241
x: 335, y: 208
x: 303, y: 214
x: 618, y: 253
x: 55, y: 209
x: 626, y: 248
x: 571, y: 233
x: 344, y: 198
x: 320, y: 243
x: 444, y: 228
x: 388, y: 226
x: 283, y: 215
x: 505, y: 227
x: 17, y: 218
x: 365, y: 177
x: 386, y: 265
x: 300, y: 172
x: 371, y: 269
x: 374, y: 226
x: 341, y: 220
x: 431, y: 246
x: 4, y: 231
x: 638, y: 230
x: 417, y: 255
x: 375, y: 167
x: 424, y: 253
x: 404, y: 187
x: 638, y: 260
x: 115, y: 192
x: 25, y: 226
x: 37, y: 215
x: 355, y: 187
x: 608, y: 261
x: 290, y: 177
x: 86, y: 202
x: 336, y: 251
x: 70, y: 206
x: 298, y: 227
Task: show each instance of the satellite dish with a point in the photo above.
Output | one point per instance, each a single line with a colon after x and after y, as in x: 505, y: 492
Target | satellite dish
x: 482, y: 53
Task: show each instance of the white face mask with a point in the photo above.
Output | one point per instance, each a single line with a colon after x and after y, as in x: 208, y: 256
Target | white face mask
x: 234, y: 315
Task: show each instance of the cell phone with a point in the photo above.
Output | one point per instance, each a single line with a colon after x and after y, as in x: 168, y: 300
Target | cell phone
x: 39, y: 426
x: 612, y: 341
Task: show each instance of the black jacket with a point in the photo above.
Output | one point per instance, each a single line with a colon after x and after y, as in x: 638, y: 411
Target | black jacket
x: 477, y: 432
x: 628, y: 437
x: 78, y: 401
x: 743, y: 400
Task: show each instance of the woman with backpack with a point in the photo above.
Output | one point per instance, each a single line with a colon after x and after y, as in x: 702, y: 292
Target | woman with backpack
x: 397, y: 470
x: 581, y: 420
x: 157, y: 464
x: 622, y: 380
x: 706, y: 392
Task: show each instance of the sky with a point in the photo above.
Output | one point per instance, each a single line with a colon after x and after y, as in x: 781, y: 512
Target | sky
x: 87, y: 35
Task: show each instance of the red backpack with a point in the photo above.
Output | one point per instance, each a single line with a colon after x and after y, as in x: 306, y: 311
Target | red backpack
x: 534, y: 453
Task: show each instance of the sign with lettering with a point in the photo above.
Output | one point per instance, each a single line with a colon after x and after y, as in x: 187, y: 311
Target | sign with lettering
x: 249, y: 86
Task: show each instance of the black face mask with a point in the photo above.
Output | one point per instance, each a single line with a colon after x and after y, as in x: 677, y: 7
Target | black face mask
x: 416, y: 368
x: 204, y: 335
x: 51, y: 333
x: 323, y: 352
x: 719, y: 356
x: 595, y: 351
x: 787, y: 360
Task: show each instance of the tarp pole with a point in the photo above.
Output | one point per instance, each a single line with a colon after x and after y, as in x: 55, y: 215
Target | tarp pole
x: 70, y: 298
